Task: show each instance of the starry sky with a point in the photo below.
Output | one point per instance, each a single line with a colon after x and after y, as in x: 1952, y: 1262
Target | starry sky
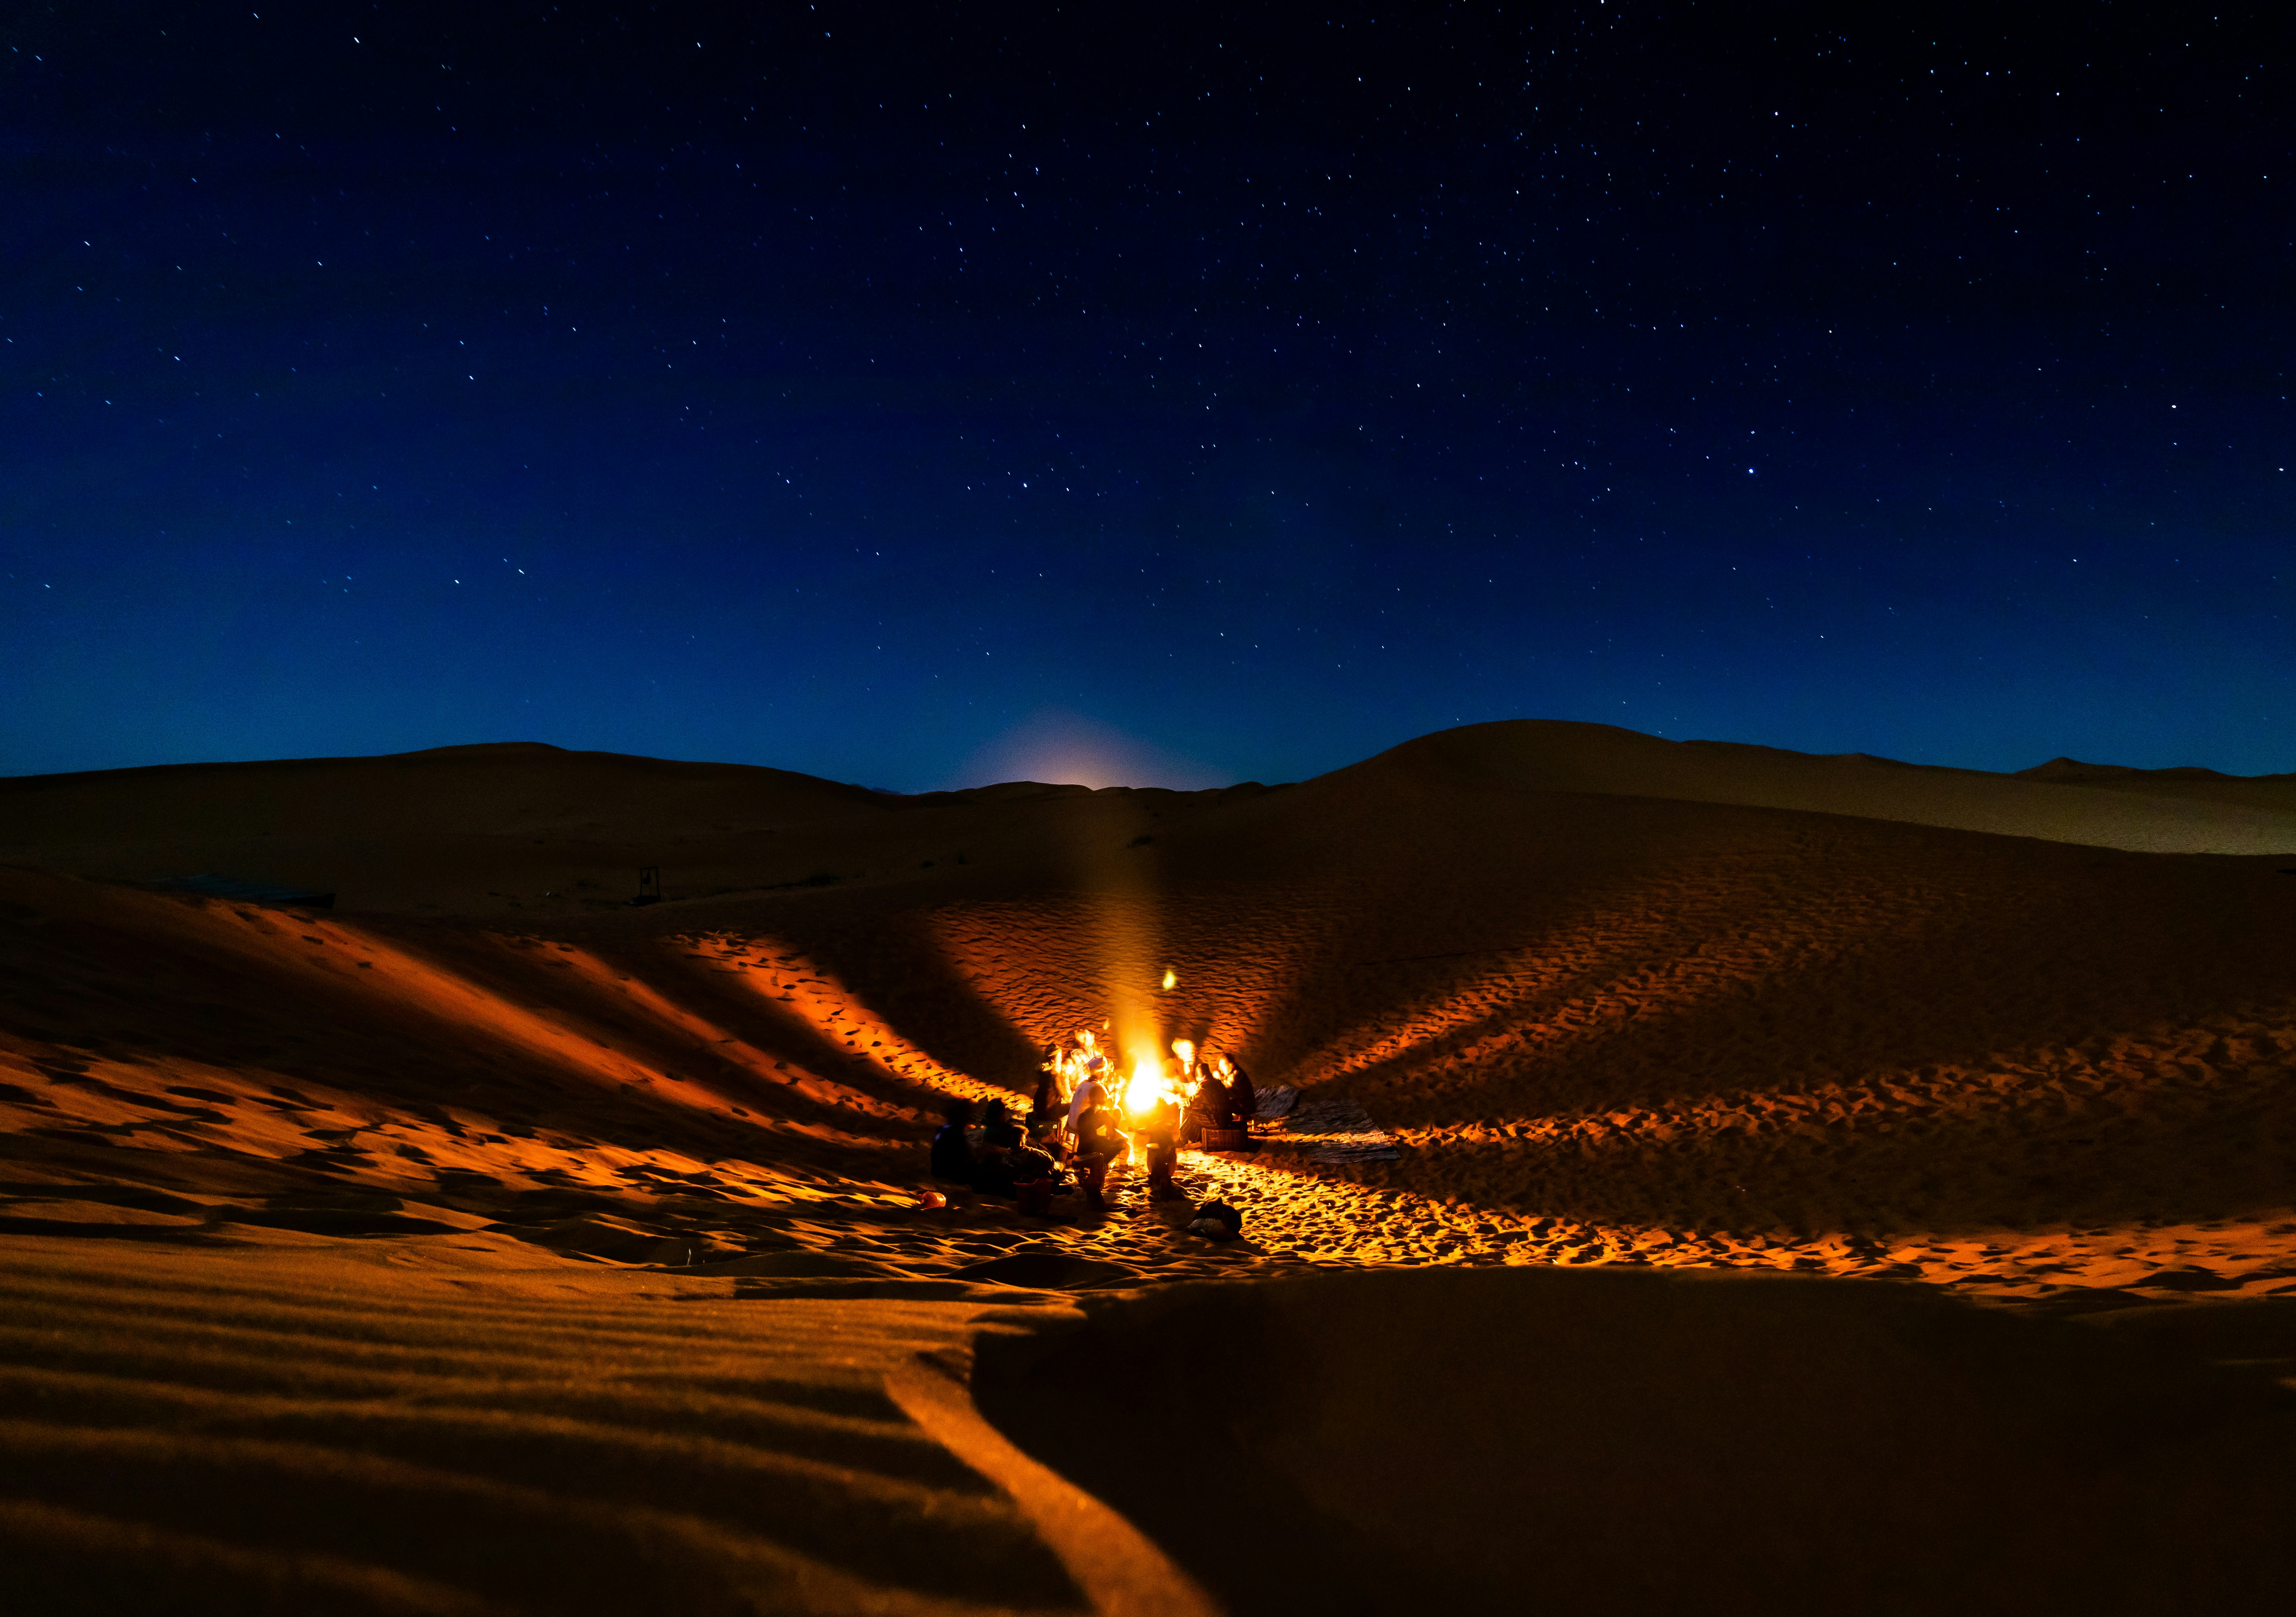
x: 921, y: 395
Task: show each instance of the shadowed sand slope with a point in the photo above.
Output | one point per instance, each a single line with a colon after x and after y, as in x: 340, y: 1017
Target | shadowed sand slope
x: 1640, y: 1443
x: 1610, y: 1013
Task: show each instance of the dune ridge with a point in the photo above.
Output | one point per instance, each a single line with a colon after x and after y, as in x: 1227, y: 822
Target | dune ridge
x: 492, y: 829
x: 2157, y: 812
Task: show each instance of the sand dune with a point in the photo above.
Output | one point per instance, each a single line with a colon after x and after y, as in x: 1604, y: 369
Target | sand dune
x: 533, y: 830
x: 2149, y: 811
x: 2204, y: 784
x: 488, y: 1244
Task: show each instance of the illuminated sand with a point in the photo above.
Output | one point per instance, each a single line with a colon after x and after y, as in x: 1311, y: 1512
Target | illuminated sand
x: 1680, y: 1021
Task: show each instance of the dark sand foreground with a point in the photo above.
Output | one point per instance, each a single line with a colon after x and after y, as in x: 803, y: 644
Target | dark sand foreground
x: 487, y: 1244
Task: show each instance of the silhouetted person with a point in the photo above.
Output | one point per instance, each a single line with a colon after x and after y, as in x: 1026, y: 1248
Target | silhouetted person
x: 952, y: 1152
x: 1034, y: 1176
x: 1243, y: 1100
x: 992, y: 1170
x: 1099, y: 1141
x: 1208, y: 1107
x: 1159, y: 1132
x: 1048, y: 1086
x: 1046, y: 1133
x: 1090, y: 1093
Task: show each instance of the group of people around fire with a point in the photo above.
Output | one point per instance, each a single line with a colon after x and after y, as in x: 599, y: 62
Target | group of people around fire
x: 1086, y: 1115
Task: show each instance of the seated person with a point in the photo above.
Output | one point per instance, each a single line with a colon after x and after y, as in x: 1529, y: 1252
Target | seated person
x: 1208, y: 1109
x: 1241, y: 1099
x: 1044, y: 1131
x: 952, y: 1152
x: 1099, y: 1142
x: 1089, y: 1094
x: 1028, y: 1164
x: 993, y: 1172
x: 1035, y: 1176
x: 1159, y: 1134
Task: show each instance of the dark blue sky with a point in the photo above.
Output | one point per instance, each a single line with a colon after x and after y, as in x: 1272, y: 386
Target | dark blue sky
x: 923, y: 394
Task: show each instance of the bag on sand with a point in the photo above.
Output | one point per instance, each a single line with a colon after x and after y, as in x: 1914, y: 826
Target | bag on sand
x: 1218, y: 1222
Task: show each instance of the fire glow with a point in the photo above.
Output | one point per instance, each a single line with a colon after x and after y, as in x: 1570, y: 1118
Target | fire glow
x: 1148, y: 1089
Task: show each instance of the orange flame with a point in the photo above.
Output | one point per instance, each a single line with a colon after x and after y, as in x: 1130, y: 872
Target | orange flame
x: 1147, y: 1088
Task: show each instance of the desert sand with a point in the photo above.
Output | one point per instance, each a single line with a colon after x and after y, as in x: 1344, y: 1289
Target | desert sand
x: 1818, y: 1184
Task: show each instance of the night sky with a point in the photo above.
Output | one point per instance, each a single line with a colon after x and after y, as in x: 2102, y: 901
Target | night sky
x: 930, y: 395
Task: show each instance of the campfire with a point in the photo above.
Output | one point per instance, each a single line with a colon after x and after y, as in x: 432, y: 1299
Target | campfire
x: 1149, y: 1087
x: 1167, y: 1090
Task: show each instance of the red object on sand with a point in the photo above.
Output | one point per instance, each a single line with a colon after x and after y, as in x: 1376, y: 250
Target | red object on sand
x: 930, y: 1199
